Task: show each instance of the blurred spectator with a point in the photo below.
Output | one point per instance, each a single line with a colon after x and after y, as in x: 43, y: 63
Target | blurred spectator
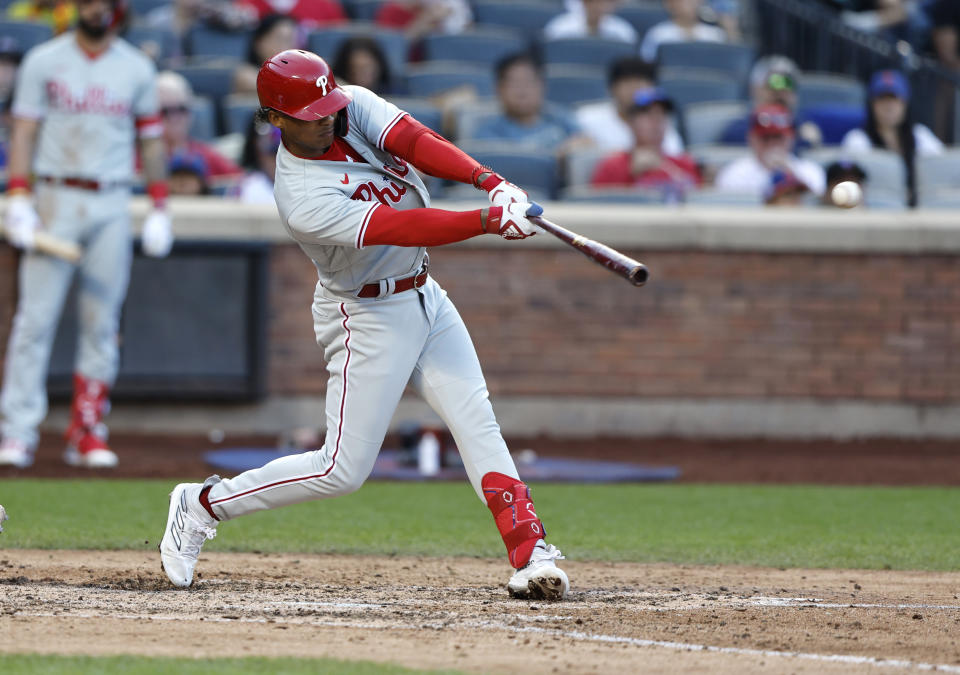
x: 524, y: 120
x: 418, y: 18
x: 773, y: 81
x: 360, y: 61
x: 646, y: 165
x: 894, y: 19
x: 175, y: 96
x: 60, y: 15
x: 606, y: 123
x: 785, y: 190
x: 684, y: 26
x: 275, y: 33
x: 771, y: 140
x: 841, y: 172
x: 725, y: 13
x: 188, y: 174
x: 945, y: 16
x: 890, y: 126
x: 592, y: 18
x: 308, y: 13
x: 179, y: 16
x: 259, y: 158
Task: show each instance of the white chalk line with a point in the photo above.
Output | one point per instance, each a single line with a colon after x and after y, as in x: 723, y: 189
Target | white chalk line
x: 574, y: 635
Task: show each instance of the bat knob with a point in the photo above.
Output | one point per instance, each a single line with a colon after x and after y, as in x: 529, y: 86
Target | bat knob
x: 534, y: 210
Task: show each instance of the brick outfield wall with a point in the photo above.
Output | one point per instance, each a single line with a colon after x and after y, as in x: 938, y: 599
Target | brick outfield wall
x: 875, y: 327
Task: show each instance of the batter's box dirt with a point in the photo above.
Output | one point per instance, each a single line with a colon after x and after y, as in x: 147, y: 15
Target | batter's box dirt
x: 454, y: 613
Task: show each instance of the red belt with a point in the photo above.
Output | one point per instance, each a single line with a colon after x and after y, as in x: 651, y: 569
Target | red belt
x: 382, y: 288
x: 79, y: 183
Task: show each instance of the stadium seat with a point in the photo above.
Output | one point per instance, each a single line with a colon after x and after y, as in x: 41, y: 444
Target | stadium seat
x: 940, y: 199
x: 428, y: 79
x: 394, y: 44
x: 697, y: 88
x: 482, y: 47
x: 611, y: 195
x: 202, y: 41
x: 536, y: 172
x: 423, y: 111
x: 203, y: 124
x: 581, y: 164
x: 733, y: 60
x: 143, y: 7
x: 467, y: 117
x: 238, y: 110
x: 572, y: 85
x: 643, y: 16
x: 715, y: 197
x: 26, y: 34
x: 527, y: 17
x: 834, y: 120
x: 213, y: 81
x: 825, y: 88
x: 704, y: 123
x: 158, y: 43
x: 937, y: 174
x: 886, y: 174
x: 362, y: 10
x: 586, y: 51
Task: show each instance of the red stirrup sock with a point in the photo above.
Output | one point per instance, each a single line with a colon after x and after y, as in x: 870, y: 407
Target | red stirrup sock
x: 509, y: 501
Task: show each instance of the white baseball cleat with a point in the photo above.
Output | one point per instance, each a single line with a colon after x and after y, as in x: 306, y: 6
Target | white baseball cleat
x: 100, y: 458
x: 188, y: 526
x: 540, y: 579
x: 16, y: 453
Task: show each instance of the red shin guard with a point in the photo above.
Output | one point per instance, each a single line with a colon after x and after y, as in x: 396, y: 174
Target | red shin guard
x: 90, y: 403
x: 509, y: 501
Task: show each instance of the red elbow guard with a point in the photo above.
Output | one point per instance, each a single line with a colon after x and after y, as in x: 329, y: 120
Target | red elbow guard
x: 509, y: 501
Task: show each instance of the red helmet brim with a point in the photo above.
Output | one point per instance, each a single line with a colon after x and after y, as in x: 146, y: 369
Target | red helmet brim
x: 322, y: 107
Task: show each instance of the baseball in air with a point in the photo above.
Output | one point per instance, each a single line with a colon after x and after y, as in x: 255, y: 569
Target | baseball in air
x: 846, y: 194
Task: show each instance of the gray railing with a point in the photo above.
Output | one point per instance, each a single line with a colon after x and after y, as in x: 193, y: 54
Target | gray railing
x: 817, y: 40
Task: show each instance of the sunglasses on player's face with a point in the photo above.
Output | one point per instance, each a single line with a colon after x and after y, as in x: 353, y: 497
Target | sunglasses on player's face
x: 171, y: 110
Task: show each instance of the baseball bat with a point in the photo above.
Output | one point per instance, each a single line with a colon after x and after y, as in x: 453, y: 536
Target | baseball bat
x: 44, y: 242
x: 632, y: 270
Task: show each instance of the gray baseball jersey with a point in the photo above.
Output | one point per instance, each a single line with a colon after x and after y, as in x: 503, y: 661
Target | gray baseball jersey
x: 326, y: 205
x: 91, y: 107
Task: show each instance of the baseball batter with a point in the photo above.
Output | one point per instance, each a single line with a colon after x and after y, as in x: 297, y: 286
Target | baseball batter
x: 82, y: 100
x: 348, y: 195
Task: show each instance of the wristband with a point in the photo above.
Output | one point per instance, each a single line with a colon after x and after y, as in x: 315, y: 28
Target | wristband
x: 158, y: 191
x: 18, y: 185
x: 479, y: 171
x: 492, y: 223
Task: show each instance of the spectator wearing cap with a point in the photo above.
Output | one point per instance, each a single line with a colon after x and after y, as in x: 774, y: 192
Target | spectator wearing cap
x: 525, y: 120
x: 646, y: 165
x: 774, y: 80
x: 605, y: 122
x: 843, y: 171
x: 590, y: 19
x: 684, y: 25
x: 188, y: 175
x: 771, y: 140
x: 275, y: 33
x: 890, y: 126
x: 175, y: 97
x: 60, y: 15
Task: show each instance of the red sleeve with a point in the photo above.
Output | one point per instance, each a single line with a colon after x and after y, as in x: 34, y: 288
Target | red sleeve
x: 424, y: 227
x: 429, y: 151
x: 394, y: 16
x: 689, y: 166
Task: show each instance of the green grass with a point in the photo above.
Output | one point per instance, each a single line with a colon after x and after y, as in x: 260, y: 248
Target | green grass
x: 781, y: 526
x: 141, y: 665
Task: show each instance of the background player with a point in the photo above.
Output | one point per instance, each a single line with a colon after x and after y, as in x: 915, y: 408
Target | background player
x: 81, y: 100
x: 348, y: 195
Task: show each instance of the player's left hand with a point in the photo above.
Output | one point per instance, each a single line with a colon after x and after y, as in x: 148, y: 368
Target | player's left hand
x: 157, y: 236
x: 502, y: 192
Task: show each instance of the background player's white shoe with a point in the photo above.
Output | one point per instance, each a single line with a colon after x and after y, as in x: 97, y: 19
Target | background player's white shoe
x: 16, y: 453
x: 188, y: 526
x: 540, y: 579
x: 99, y: 458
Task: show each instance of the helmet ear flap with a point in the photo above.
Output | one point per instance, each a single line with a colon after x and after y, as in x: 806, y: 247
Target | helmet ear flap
x: 341, y: 125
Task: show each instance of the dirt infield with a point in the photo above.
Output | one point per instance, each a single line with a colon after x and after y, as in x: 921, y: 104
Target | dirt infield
x: 869, y: 462
x: 454, y: 613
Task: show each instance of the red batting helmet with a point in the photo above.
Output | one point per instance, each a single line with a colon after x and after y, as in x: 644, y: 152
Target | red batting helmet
x: 300, y: 84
